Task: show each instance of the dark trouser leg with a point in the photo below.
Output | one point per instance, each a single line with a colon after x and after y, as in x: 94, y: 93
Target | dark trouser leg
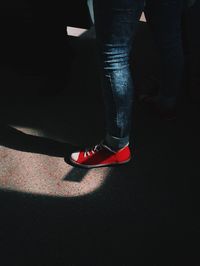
x: 164, y: 18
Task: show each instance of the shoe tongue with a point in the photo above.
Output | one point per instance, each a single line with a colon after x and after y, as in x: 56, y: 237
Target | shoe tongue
x: 108, y: 148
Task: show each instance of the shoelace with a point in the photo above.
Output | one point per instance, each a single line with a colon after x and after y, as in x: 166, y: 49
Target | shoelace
x: 93, y: 150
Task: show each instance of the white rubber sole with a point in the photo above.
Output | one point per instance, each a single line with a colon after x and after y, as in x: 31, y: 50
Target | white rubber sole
x: 98, y: 165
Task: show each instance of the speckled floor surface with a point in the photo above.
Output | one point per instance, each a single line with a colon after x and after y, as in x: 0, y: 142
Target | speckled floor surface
x: 142, y: 213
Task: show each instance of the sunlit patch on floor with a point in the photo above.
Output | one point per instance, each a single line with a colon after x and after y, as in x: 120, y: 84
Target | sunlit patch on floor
x: 29, y: 130
x: 46, y: 175
x: 143, y: 18
x: 75, y: 32
x: 78, y: 32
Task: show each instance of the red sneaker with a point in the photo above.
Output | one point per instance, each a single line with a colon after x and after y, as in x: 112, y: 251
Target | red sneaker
x: 100, y: 156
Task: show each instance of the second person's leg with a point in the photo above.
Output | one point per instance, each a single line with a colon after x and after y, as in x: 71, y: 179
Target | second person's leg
x: 164, y: 18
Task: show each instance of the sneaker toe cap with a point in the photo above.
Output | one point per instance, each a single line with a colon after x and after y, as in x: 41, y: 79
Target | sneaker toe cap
x: 75, y: 156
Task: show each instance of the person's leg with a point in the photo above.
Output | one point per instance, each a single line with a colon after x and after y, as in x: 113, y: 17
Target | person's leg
x: 164, y: 18
x: 115, y: 23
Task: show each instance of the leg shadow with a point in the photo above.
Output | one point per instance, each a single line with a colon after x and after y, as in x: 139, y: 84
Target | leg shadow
x: 15, y: 139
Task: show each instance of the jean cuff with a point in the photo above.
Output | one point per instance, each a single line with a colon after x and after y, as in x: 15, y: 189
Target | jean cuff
x: 116, y: 143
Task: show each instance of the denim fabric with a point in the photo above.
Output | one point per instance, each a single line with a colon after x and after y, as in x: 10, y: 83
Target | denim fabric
x: 115, y: 23
x: 165, y: 19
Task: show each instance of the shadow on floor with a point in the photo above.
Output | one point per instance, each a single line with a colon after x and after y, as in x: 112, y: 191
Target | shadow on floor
x: 16, y: 139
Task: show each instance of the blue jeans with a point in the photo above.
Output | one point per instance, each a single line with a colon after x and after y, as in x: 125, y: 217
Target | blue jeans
x: 165, y: 20
x: 116, y: 23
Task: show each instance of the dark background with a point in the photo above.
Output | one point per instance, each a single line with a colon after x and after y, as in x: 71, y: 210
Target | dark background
x: 146, y: 213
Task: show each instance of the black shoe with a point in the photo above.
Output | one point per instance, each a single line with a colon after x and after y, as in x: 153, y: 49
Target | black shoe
x: 165, y: 110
